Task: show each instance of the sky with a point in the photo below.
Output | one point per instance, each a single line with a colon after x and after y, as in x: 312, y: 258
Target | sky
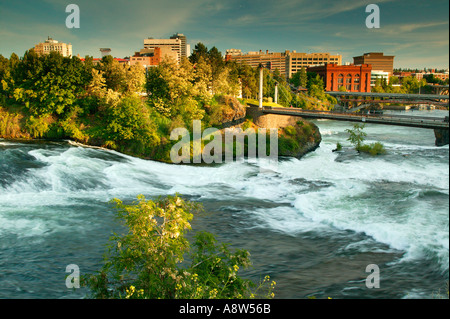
x: 416, y: 32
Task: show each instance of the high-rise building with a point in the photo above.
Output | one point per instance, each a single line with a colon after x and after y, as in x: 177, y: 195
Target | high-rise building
x: 52, y: 45
x: 379, y: 61
x: 184, y: 46
x: 174, y: 45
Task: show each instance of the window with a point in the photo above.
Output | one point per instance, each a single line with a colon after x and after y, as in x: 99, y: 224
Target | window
x: 348, y: 87
x: 357, y: 79
x: 348, y: 79
x: 341, y: 78
x: 356, y: 87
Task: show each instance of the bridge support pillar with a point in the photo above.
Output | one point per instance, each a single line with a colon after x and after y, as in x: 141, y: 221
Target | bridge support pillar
x: 442, y: 137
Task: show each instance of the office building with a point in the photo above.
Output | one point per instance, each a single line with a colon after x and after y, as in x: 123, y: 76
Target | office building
x: 378, y: 60
x: 52, y: 45
x: 270, y: 60
x: 174, y: 45
x: 153, y: 57
x: 288, y: 62
x: 295, y: 61
x: 185, y: 48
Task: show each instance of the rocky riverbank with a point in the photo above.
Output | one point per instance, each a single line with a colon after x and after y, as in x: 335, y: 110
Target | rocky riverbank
x: 296, y: 137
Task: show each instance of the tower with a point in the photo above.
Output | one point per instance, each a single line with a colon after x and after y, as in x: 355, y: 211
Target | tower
x: 182, y: 37
x: 105, y: 51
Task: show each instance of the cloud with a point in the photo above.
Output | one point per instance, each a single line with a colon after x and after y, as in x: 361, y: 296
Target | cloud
x: 294, y: 12
x: 303, y: 25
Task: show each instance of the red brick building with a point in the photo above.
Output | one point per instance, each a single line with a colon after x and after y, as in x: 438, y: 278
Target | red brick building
x: 354, y: 78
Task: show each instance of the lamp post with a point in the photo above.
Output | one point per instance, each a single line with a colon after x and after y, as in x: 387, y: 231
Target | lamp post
x: 261, y: 76
x: 276, y: 92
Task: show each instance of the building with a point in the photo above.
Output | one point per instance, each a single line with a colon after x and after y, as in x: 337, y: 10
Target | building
x: 354, y: 78
x: 288, y: 62
x: 379, y: 61
x: 270, y: 60
x: 174, y: 45
x: 185, y: 49
x: 295, y: 61
x: 153, y: 57
x: 52, y: 45
x: 233, y: 52
x: 379, y: 75
x: 442, y: 76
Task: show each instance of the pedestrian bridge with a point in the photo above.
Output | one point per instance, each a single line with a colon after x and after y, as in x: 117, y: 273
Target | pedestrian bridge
x: 439, y: 124
x: 354, y: 101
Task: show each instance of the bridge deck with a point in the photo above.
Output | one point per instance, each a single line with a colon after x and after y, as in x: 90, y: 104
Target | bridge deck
x: 398, y: 120
x: 392, y: 95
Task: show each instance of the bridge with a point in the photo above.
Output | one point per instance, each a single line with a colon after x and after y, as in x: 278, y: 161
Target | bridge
x: 360, y: 100
x: 440, y: 89
x: 439, y: 124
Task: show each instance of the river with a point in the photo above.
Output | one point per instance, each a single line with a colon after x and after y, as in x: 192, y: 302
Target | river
x: 313, y: 224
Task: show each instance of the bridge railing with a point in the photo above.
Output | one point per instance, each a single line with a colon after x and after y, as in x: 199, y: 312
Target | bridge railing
x: 441, y: 122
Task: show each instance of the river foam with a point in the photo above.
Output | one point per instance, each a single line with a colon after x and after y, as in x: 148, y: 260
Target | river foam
x: 392, y: 204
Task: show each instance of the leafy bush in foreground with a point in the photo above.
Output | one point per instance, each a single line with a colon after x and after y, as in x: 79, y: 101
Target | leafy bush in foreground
x: 148, y: 262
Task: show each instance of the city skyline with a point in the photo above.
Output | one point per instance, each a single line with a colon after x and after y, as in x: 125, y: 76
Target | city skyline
x: 415, y: 32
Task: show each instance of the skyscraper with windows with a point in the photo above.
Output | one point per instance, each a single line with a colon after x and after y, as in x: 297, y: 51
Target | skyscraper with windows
x: 184, y: 45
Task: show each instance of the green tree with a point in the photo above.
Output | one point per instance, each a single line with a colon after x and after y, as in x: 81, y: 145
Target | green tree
x: 171, y: 91
x: 295, y: 79
x: 51, y: 84
x: 128, y: 125
x: 114, y: 74
x: 411, y: 84
x: 357, y: 135
x: 316, y: 88
x: 249, y: 78
x: 200, y: 50
x: 303, y: 78
x: 149, y: 260
x: 5, y: 75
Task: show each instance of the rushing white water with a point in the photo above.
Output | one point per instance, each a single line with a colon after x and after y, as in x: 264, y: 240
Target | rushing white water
x: 322, y: 214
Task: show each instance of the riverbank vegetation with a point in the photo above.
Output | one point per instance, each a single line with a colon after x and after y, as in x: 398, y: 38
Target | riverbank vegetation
x: 407, y: 85
x: 315, y: 97
x: 126, y: 108
x: 153, y: 259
